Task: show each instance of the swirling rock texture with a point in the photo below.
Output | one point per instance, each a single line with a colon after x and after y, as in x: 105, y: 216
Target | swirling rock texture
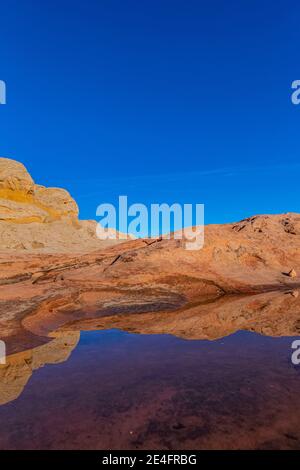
x: 54, y: 271
x: 36, y: 218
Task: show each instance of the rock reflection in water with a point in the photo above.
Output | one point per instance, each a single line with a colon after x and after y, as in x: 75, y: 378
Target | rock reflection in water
x: 119, y: 390
x: 271, y: 314
x: 19, y: 367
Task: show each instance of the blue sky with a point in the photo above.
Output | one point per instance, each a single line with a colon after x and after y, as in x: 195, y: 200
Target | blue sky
x: 164, y: 101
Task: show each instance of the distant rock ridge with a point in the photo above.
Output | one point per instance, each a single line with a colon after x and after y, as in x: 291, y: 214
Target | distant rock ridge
x: 36, y: 218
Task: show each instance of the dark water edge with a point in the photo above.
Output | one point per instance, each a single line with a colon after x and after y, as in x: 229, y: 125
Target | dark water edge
x: 128, y: 391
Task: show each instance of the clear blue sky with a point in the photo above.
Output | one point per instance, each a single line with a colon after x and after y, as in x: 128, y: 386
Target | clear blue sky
x: 162, y: 100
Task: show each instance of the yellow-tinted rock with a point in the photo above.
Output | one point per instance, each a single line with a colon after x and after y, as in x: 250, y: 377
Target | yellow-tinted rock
x: 22, y: 201
x: 19, y: 367
x: 20, y: 212
x: 14, y: 177
x: 36, y: 218
x: 56, y: 201
x: 292, y: 273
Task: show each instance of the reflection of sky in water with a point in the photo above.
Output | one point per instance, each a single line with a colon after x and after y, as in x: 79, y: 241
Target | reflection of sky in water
x: 122, y: 390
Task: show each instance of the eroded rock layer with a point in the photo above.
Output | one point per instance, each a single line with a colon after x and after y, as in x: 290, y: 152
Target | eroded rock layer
x: 36, y: 218
x: 40, y: 293
x: 54, y: 271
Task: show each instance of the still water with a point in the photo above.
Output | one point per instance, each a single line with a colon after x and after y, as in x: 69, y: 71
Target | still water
x: 115, y: 390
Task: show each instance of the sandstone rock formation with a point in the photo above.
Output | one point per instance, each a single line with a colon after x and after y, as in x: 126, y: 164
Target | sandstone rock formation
x: 36, y: 218
x: 14, y: 177
x: 54, y: 271
x: 40, y: 293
